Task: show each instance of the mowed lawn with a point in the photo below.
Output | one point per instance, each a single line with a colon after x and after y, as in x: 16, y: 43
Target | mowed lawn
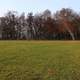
x: 39, y: 60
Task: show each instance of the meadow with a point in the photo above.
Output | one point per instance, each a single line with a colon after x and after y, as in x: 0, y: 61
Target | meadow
x: 39, y: 60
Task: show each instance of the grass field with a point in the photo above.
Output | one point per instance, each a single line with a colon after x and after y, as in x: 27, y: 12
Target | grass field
x: 39, y: 60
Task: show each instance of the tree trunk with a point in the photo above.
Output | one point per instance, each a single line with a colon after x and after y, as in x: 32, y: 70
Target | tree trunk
x: 71, y: 34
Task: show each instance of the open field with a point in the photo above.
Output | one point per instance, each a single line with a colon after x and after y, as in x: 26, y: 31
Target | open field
x: 39, y: 60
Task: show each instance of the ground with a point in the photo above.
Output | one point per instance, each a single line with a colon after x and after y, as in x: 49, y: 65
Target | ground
x: 39, y: 60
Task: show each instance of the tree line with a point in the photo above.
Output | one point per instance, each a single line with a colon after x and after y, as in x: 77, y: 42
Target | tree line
x: 61, y: 25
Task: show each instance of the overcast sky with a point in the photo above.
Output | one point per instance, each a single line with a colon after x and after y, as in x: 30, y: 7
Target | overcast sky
x: 37, y: 5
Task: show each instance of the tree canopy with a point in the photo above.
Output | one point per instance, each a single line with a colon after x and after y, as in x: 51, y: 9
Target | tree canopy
x: 62, y: 25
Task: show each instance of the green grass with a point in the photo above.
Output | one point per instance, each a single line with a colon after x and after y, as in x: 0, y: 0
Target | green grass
x: 39, y: 60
